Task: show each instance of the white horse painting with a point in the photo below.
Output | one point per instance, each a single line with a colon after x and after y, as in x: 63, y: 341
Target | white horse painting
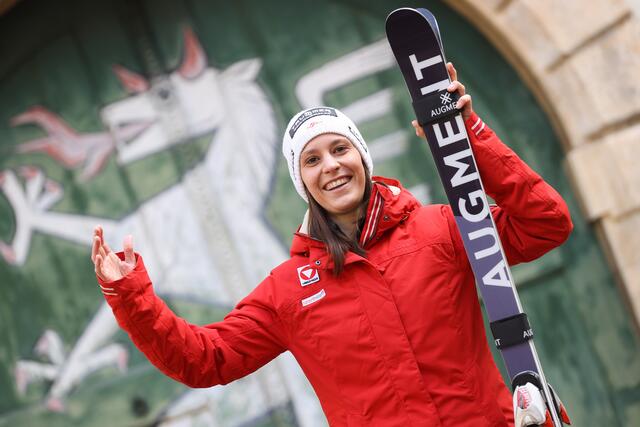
x: 204, y: 237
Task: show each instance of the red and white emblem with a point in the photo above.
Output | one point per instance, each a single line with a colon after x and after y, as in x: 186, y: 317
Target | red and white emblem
x: 523, y: 398
x: 307, y: 275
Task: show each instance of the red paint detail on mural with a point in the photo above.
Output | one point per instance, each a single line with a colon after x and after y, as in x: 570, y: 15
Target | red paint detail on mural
x: 194, y: 61
x: 131, y: 81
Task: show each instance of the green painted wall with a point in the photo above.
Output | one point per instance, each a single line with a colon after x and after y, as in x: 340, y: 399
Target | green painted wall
x: 59, y: 55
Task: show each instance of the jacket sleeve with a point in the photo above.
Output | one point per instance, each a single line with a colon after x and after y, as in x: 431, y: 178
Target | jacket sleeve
x: 531, y: 217
x: 199, y: 356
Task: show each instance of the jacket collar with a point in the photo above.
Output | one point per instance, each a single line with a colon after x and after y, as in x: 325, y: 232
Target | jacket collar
x: 389, y: 205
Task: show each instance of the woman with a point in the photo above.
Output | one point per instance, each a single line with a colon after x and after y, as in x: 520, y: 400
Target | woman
x: 377, y: 302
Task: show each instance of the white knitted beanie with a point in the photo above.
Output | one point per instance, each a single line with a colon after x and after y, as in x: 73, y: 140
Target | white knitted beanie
x: 308, y: 124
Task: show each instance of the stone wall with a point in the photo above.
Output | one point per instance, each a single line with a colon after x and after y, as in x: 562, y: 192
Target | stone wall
x: 582, y: 61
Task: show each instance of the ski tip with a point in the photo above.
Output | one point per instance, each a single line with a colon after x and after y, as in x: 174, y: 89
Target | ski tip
x: 399, y: 15
x: 404, y: 17
x: 404, y: 12
x: 398, y: 10
x: 425, y: 12
x: 401, y: 11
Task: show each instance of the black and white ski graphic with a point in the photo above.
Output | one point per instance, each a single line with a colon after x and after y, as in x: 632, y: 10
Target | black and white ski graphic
x: 415, y: 40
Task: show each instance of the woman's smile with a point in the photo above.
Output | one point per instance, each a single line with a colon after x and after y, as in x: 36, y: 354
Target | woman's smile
x: 337, y: 183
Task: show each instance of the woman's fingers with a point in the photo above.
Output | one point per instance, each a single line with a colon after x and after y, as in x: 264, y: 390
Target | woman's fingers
x: 102, y: 252
x: 453, y: 74
x: 106, y: 247
x: 96, y: 242
x: 99, y: 267
x: 456, y: 86
x: 94, y: 248
x: 464, y: 101
x: 99, y: 232
x: 418, y: 128
x: 113, y: 259
x: 108, y: 266
x: 464, y: 104
x: 129, y: 256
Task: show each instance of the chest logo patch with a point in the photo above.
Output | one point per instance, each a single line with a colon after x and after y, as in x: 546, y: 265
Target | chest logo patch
x: 308, y: 275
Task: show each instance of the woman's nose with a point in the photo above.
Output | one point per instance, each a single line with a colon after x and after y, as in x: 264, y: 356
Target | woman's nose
x: 330, y: 163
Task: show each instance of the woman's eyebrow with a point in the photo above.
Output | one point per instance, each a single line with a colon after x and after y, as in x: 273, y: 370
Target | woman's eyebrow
x: 333, y: 142
x: 307, y: 152
x: 337, y: 140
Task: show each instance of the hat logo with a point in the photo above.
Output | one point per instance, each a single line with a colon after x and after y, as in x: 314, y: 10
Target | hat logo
x: 309, y: 114
x: 307, y: 275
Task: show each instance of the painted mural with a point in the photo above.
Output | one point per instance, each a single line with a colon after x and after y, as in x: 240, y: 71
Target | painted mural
x: 164, y: 120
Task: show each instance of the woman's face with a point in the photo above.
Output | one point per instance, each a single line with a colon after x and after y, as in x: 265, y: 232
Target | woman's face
x: 331, y: 168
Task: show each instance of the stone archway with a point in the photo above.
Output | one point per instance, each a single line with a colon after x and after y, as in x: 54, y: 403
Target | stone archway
x: 583, y: 64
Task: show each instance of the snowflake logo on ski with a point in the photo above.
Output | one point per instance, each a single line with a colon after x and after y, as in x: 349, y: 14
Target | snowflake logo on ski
x: 445, y: 98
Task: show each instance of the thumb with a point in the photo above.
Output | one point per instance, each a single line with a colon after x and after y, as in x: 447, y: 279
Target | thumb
x: 129, y: 256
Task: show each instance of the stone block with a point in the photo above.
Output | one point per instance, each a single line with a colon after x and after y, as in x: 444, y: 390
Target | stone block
x: 572, y: 102
x: 484, y: 6
x: 528, y: 36
x: 585, y: 58
x: 624, y: 148
x: 571, y: 23
x: 511, y: 28
x: 596, y: 89
x: 623, y: 240
x: 609, y: 69
x: 606, y: 174
x: 591, y: 167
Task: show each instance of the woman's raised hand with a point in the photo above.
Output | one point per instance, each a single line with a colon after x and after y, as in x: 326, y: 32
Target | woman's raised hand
x: 109, y: 267
x: 463, y: 104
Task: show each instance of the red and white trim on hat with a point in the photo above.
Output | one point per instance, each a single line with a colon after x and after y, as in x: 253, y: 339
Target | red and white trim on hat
x: 477, y: 127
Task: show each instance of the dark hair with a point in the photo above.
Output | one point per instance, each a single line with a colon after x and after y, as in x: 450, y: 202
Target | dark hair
x: 322, y: 227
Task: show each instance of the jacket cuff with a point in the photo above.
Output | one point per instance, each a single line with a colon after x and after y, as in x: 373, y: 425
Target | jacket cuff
x: 474, y: 124
x: 134, y: 282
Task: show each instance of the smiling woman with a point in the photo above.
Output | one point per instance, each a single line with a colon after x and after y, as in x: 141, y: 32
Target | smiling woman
x: 209, y: 237
x: 377, y: 301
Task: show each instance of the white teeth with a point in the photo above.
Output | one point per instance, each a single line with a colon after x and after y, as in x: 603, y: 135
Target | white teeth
x: 337, y: 182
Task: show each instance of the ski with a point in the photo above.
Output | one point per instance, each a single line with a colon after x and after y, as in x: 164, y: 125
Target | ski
x: 416, y: 43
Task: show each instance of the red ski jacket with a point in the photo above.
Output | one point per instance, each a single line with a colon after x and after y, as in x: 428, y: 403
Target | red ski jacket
x: 398, y: 338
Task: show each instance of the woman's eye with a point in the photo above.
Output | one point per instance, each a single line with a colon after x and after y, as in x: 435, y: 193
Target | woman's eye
x: 310, y: 160
x: 341, y: 148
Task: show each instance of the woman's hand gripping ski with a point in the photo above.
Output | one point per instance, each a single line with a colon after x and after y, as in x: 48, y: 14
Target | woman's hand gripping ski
x: 463, y: 104
x: 109, y: 267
